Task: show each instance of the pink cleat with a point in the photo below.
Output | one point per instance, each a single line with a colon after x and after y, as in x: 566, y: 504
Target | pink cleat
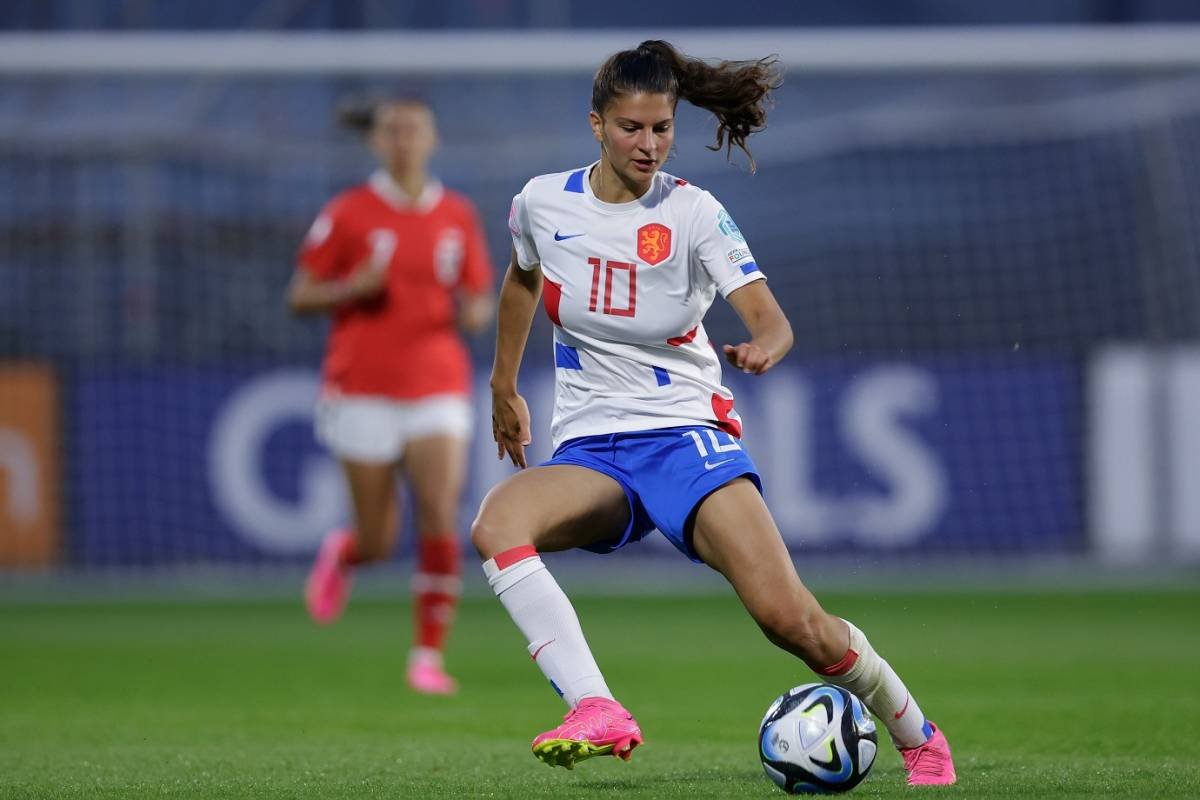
x: 426, y: 674
x: 596, y: 727
x: 931, y: 763
x: 328, y: 584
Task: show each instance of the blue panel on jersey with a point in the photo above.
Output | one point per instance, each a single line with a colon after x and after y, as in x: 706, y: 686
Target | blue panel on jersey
x: 575, y: 182
x: 662, y: 376
x: 566, y: 357
x: 749, y: 267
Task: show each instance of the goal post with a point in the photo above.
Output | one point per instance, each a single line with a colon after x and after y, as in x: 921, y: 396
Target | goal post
x: 841, y: 51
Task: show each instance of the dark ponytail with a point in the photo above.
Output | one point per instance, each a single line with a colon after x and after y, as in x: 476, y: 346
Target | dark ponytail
x: 358, y: 114
x: 736, y: 92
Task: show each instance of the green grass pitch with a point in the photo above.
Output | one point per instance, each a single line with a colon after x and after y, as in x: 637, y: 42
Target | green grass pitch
x: 1084, y: 694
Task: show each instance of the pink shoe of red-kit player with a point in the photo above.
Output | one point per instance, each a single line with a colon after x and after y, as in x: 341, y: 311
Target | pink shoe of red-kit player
x: 427, y: 675
x: 596, y: 727
x: 328, y: 584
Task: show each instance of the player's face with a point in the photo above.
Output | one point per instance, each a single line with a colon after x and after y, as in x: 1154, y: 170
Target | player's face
x: 403, y: 136
x: 636, y: 133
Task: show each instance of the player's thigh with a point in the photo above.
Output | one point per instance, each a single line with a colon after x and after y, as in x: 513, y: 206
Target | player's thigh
x: 734, y: 533
x: 372, y: 494
x: 557, y: 507
x: 435, y: 468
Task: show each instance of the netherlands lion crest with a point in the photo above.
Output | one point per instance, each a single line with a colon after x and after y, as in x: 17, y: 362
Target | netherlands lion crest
x: 653, y: 243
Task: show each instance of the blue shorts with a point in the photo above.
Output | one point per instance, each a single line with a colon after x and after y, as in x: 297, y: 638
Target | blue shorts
x: 665, y: 474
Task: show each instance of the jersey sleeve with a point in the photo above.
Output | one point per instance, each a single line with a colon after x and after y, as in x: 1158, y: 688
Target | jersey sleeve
x: 477, y: 273
x: 522, y: 231
x: 327, y: 249
x: 721, y: 248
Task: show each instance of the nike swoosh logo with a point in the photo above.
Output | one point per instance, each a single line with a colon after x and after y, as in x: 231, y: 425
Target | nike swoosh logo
x: 537, y: 652
x: 719, y: 463
x: 900, y: 713
x: 558, y: 237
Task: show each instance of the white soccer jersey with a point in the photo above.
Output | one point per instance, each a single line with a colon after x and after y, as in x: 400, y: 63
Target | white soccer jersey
x: 626, y: 285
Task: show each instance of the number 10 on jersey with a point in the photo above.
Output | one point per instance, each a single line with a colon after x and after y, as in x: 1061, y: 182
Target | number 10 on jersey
x: 608, y: 269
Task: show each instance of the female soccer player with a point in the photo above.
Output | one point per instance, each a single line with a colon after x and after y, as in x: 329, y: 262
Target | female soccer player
x: 627, y: 260
x: 400, y: 263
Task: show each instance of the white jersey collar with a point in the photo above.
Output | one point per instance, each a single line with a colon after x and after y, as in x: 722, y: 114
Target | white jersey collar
x: 650, y: 198
x: 390, y: 192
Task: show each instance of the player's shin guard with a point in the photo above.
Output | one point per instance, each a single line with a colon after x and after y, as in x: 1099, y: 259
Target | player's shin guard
x: 436, y: 587
x: 544, y: 614
x: 864, y: 673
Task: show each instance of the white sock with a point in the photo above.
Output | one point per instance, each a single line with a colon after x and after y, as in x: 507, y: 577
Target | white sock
x: 544, y: 614
x: 867, y: 675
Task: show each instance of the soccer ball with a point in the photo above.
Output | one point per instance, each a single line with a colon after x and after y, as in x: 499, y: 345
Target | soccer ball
x: 817, y: 739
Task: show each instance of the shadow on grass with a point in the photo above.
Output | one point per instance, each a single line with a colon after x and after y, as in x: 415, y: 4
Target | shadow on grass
x: 641, y: 782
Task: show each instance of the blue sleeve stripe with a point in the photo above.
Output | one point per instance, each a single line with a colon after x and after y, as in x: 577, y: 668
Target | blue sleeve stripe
x: 575, y: 182
x: 749, y: 267
x: 661, y: 374
x: 566, y: 357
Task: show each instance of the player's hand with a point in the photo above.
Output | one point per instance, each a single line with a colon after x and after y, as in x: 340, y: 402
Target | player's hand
x: 749, y: 357
x: 510, y: 427
x: 367, y: 280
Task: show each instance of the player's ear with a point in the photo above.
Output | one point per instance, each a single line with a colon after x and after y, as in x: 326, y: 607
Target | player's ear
x: 597, y: 123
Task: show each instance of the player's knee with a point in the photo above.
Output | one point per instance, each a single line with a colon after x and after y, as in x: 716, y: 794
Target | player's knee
x: 493, y: 533
x: 499, y: 525
x: 487, y: 534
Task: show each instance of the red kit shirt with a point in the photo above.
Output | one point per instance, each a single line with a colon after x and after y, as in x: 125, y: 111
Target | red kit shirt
x: 405, y: 343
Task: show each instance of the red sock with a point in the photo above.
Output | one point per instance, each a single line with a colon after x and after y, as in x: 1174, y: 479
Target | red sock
x: 436, y: 586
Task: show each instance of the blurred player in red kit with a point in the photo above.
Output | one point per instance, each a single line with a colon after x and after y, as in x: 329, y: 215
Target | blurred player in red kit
x: 400, y: 264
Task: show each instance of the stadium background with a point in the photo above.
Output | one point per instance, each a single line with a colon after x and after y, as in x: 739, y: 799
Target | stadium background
x: 982, y: 219
x: 992, y: 274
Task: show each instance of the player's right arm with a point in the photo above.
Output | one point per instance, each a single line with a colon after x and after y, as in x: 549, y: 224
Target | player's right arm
x: 336, y: 267
x: 310, y: 295
x: 519, y: 295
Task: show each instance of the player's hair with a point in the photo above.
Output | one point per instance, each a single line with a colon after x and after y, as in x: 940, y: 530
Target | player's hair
x: 736, y: 92
x: 359, y: 114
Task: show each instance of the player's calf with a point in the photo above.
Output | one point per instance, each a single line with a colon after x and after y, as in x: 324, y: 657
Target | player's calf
x: 807, y: 632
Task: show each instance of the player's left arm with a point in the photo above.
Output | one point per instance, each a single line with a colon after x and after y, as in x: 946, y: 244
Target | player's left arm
x: 475, y: 311
x: 770, y: 332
